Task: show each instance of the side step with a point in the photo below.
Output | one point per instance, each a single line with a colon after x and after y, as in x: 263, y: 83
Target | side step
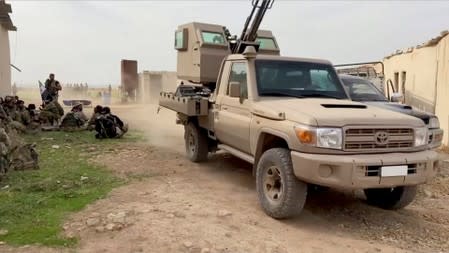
x: 237, y: 153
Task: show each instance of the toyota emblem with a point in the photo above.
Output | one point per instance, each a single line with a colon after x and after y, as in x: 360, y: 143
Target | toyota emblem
x: 381, y: 138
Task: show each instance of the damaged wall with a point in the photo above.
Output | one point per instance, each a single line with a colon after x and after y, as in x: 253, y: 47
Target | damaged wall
x: 442, y: 90
x: 151, y: 83
x: 422, y: 74
x: 414, y: 75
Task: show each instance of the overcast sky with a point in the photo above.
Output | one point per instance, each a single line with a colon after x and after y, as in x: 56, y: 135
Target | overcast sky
x: 84, y: 41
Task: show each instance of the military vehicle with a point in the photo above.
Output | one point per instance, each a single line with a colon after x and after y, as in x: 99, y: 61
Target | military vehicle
x: 363, y: 90
x: 372, y: 71
x: 292, y: 119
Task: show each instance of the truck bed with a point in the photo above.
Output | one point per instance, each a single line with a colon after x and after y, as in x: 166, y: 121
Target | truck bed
x: 187, y: 105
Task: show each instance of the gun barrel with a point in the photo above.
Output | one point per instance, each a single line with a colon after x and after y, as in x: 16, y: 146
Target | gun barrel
x: 252, y: 33
x: 248, y: 19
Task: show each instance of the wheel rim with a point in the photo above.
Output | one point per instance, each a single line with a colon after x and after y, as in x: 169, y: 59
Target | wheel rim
x: 191, y: 147
x: 272, y: 184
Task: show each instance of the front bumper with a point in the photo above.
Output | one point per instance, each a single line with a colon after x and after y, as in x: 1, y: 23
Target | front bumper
x: 359, y: 171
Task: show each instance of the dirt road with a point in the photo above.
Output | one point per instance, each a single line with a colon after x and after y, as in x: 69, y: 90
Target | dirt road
x: 173, y: 205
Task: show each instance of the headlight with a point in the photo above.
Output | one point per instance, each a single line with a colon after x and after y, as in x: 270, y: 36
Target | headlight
x: 320, y: 137
x: 434, y: 122
x: 420, y: 136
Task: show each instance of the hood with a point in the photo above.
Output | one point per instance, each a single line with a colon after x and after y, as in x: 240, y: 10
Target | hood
x: 329, y: 112
x: 406, y: 109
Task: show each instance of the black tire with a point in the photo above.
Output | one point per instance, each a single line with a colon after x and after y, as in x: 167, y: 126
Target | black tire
x: 196, y: 142
x: 280, y: 193
x: 391, y: 198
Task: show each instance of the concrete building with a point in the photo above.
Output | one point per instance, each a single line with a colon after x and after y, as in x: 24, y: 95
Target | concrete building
x: 151, y: 83
x: 6, y: 25
x: 421, y: 73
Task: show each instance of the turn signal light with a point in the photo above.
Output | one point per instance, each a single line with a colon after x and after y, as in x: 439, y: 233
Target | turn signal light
x: 306, y: 136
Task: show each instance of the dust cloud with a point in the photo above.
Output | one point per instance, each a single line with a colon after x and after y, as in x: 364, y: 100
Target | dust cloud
x: 160, y: 128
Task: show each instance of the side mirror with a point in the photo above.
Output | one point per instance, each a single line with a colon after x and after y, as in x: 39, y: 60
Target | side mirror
x: 234, y: 89
x: 396, y: 97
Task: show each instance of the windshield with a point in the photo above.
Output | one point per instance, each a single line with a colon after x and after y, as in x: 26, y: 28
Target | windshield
x: 297, y: 79
x: 362, y: 90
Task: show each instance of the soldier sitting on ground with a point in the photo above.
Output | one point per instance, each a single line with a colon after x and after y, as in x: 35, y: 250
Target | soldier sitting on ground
x: 15, y: 154
x: 9, y: 105
x: 4, y: 118
x: 75, y: 119
x: 5, y: 144
x: 22, y: 114
x: 95, y: 115
x: 20, y: 118
x: 51, y: 113
x: 108, y: 125
x: 35, y: 123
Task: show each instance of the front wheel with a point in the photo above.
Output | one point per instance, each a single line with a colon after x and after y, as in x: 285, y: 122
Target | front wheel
x: 391, y: 198
x: 280, y: 193
x: 196, y: 142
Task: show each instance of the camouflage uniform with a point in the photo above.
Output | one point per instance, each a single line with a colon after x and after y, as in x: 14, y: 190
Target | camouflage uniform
x: 52, y: 88
x: 75, y: 119
x: 10, y: 107
x: 20, y: 119
x: 23, y: 156
x: 23, y: 115
x: 51, y: 113
x: 4, y: 118
x: 5, y: 144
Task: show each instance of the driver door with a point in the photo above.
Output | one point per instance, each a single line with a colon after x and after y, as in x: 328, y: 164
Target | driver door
x: 232, y: 121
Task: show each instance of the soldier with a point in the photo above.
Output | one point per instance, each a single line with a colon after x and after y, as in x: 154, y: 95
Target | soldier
x: 109, y: 125
x: 34, y: 118
x: 95, y: 115
x: 4, y: 118
x: 22, y: 114
x: 21, y: 118
x: 5, y: 144
x: 75, y: 119
x: 52, y: 87
x: 9, y: 105
x: 51, y: 113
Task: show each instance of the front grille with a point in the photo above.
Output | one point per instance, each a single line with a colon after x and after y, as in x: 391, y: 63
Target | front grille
x: 367, y: 139
x: 430, y: 140
x: 375, y: 171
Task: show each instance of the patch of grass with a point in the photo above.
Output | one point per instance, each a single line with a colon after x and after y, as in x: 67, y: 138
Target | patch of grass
x: 33, y: 204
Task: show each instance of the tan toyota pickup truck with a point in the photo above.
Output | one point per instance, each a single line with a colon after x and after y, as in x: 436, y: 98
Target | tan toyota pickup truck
x: 292, y: 119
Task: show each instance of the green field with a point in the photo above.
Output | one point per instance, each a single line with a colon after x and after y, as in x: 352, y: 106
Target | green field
x: 34, y: 204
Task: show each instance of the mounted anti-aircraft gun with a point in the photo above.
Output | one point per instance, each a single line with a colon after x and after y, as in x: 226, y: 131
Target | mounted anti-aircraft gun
x: 249, y: 33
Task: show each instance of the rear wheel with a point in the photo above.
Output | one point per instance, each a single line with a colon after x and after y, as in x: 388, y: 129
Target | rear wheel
x: 280, y: 193
x: 196, y: 142
x: 391, y: 198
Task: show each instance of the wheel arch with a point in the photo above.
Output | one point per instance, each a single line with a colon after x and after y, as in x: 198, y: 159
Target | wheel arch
x: 268, y: 139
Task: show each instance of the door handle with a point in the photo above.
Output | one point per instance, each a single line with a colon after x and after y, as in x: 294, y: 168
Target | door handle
x: 224, y: 108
